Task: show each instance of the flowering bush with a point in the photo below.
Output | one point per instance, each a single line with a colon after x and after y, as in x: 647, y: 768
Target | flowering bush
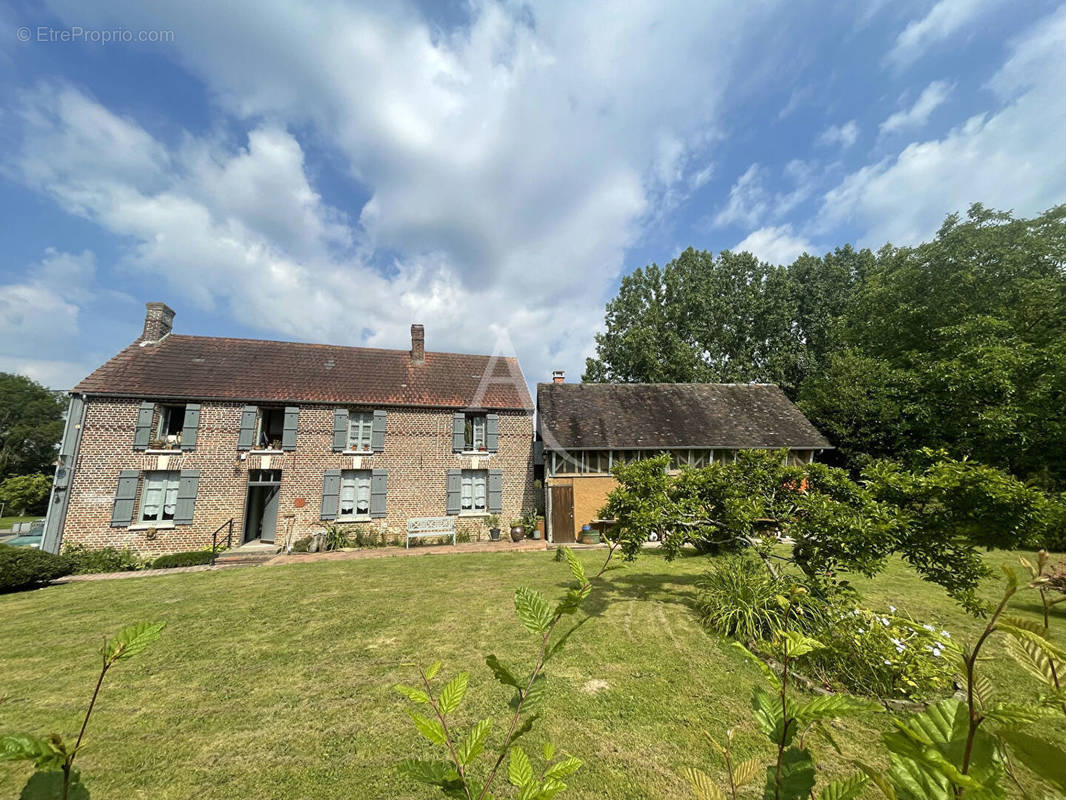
x: 884, y: 655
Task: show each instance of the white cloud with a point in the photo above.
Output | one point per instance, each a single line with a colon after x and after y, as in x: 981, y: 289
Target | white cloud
x: 510, y: 162
x: 944, y: 19
x: 1010, y: 159
x: 840, y: 135
x: 40, y: 318
x: 777, y: 245
x: 751, y: 202
x: 931, y: 98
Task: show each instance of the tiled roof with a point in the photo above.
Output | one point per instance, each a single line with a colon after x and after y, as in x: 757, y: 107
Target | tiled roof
x: 201, y: 367
x: 671, y: 415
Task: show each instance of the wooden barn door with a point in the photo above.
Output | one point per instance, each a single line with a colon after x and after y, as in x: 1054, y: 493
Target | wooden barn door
x: 563, y: 514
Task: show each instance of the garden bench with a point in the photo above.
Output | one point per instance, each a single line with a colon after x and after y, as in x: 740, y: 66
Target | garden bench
x: 429, y: 527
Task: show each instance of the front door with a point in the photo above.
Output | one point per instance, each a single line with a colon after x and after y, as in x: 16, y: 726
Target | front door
x: 270, y: 514
x: 562, y: 499
x: 261, y: 509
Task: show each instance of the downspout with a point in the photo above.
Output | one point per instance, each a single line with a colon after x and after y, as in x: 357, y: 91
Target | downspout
x: 64, y: 475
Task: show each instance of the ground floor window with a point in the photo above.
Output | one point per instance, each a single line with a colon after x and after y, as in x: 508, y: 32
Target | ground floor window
x: 159, y: 497
x: 355, y: 493
x: 474, y: 494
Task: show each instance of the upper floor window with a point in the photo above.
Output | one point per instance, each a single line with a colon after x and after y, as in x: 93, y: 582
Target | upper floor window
x: 269, y: 428
x: 159, y: 497
x: 355, y: 493
x: 360, y: 431
x: 475, y: 432
x: 166, y: 426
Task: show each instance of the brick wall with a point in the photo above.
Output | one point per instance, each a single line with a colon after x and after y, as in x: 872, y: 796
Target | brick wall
x: 418, y: 454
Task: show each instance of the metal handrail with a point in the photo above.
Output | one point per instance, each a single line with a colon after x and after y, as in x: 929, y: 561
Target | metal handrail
x: 214, y: 538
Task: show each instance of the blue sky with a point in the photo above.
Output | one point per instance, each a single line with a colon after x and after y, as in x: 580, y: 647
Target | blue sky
x: 488, y: 169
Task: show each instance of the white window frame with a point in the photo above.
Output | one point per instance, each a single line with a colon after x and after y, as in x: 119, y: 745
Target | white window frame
x: 159, y: 491
x: 475, y: 433
x: 355, y: 488
x: 360, y: 431
x: 474, y: 491
x: 166, y: 412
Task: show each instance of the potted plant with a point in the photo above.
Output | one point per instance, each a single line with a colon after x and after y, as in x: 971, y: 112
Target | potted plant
x: 493, y: 522
x: 530, y: 522
x: 518, y: 530
x: 589, y: 536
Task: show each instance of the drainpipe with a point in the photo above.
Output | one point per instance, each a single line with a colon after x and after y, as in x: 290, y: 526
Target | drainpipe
x: 59, y: 500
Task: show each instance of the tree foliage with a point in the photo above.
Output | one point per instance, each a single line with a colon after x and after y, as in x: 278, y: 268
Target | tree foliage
x: 958, y: 343
x: 31, y: 425
x: 25, y: 493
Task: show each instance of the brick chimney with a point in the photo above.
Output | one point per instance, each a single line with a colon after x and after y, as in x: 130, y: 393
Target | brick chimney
x: 558, y: 376
x: 158, y: 322
x: 418, y: 344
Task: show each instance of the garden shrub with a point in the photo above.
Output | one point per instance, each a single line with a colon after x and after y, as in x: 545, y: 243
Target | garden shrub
x: 337, y: 537
x: 302, y: 545
x: 191, y: 558
x: 363, y: 536
x: 86, y: 560
x: 25, y: 568
x: 738, y: 597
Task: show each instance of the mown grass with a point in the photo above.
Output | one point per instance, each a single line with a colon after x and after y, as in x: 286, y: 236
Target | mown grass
x: 7, y: 522
x: 275, y: 682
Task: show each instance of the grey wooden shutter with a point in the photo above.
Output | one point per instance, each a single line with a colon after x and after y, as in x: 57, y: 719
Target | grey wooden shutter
x: 455, y: 490
x: 377, y: 432
x: 340, y: 429
x: 458, y: 432
x: 188, y: 484
x: 246, y: 437
x: 122, y: 513
x: 143, y: 434
x: 288, y: 434
x: 191, y: 427
x: 378, y: 484
x: 331, y: 493
x: 492, y: 433
x: 495, y: 491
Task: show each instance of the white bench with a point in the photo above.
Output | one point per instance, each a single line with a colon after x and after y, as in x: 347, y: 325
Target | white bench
x: 430, y: 527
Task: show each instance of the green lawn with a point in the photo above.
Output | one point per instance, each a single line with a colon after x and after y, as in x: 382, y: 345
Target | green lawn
x: 7, y: 522
x: 274, y: 682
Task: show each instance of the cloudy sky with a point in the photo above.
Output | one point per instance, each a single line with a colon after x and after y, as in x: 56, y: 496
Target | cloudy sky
x: 489, y: 169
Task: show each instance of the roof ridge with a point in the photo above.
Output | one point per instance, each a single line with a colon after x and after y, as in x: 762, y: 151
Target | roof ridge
x: 174, y: 336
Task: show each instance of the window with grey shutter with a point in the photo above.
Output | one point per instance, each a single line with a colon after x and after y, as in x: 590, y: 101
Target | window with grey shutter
x: 492, y: 432
x: 378, y: 486
x: 143, y: 434
x: 288, y: 434
x: 188, y: 484
x: 377, y: 434
x: 458, y: 432
x: 246, y: 437
x: 495, y: 491
x: 455, y: 489
x: 331, y: 493
x: 190, y: 426
x: 125, y: 493
x: 340, y: 429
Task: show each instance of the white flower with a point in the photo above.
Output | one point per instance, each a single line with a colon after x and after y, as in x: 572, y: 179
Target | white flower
x: 900, y: 648
x: 862, y: 630
x: 884, y: 621
x: 928, y: 627
x: 888, y: 663
x: 945, y: 634
x: 892, y: 609
x: 855, y: 613
x: 936, y: 652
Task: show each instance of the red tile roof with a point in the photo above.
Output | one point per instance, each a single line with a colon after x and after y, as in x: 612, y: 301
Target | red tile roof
x: 210, y: 368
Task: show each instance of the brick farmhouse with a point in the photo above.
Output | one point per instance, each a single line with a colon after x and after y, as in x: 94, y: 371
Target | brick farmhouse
x: 176, y: 435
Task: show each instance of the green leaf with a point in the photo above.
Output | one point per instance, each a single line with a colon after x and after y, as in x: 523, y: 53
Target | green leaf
x: 549, y: 788
x: 48, y: 785
x: 535, y: 694
x: 132, y: 640
x: 576, y: 567
x: 746, y: 771
x: 532, y: 609
x: 878, y: 780
x: 797, y: 645
x: 1032, y: 659
x: 767, y: 715
x: 797, y: 776
x: 412, y: 693
x: 1015, y: 714
x: 1039, y: 755
x: 434, y: 668
x: 453, y: 693
x: 435, y: 773
x: 429, y: 728
x: 982, y: 687
x: 44, y: 753
x: 1023, y: 634
x: 474, y: 742
x: 549, y: 751
x: 519, y: 770
x: 845, y: 789
x: 502, y: 673
x: 561, y: 769
x: 771, y: 676
x: 702, y: 786
x: 832, y: 706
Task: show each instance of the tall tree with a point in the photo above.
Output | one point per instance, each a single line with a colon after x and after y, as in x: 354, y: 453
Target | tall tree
x: 31, y: 425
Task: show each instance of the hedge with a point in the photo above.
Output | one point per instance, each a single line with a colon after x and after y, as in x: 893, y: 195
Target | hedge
x: 25, y: 568
x: 192, y: 558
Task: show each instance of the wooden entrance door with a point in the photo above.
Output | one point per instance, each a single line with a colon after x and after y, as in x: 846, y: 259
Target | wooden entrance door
x: 562, y: 514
